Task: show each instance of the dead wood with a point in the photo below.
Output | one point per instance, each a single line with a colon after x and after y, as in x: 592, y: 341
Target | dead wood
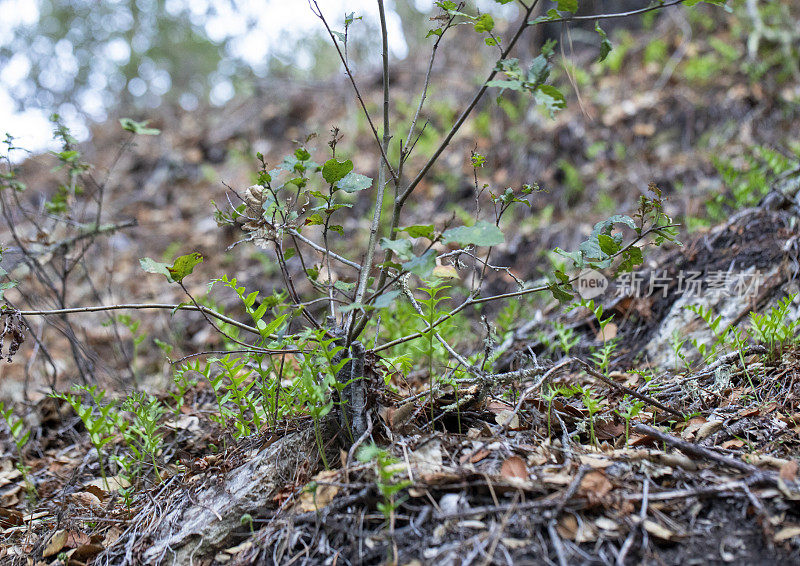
x: 201, y: 520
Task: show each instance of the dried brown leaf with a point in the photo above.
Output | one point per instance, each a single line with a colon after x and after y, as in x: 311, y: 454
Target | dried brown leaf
x: 55, y: 543
x: 514, y: 467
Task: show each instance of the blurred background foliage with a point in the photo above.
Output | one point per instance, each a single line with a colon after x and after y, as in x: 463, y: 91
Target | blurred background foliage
x: 86, y: 59
x: 83, y: 57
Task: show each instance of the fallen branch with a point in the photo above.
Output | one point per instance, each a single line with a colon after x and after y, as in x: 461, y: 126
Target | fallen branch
x: 691, y: 449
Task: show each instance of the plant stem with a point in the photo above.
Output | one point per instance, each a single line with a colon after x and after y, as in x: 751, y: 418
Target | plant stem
x: 381, y: 184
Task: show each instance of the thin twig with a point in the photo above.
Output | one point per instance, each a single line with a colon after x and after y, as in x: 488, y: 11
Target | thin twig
x: 614, y: 15
x: 142, y: 306
x: 460, y: 120
x: 699, y: 451
x: 633, y: 393
x: 318, y: 12
x: 363, y: 275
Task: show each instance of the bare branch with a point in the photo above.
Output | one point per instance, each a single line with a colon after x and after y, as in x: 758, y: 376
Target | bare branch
x: 317, y: 12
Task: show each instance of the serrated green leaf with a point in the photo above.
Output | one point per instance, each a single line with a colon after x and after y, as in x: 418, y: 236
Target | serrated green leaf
x: 421, y: 266
x: 260, y: 312
x: 552, y: 14
x: 605, y: 44
x: 630, y: 259
x: 402, y: 248
x: 591, y: 248
x: 386, y: 299
x: 333, y: 170
x: 354, y: 306
x: 302, y: 154
x: 502, y: 83
x: 608, y: 245
x: 484, y: 23
x: 576, y: 257
x: 562, y: 277
x: 344, y: 286
x: 265, y: 329
x: 492, y: 41
x: 551, y: 98
x: 437, y: 32
x: 419, y: 231
x: 314, y: 220
x: 176, y: 272
x: 559, y: 293
x: 353, y: 182
x: 568, y: 5
x: 483, y: 233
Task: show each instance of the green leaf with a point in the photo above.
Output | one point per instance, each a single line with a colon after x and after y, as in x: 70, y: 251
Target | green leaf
x: 153, y: 266
x: 484, y: 23
x: 483, y: 233
x: 608, y: 245
x: 691, y: 3
x: 266, y: 329
x: 302, y: 154
x: 552, y: 14
x: 576, y: 257
x: 421, y: 266
x: 568, y: 5
x: 592, y: 247
x: 314, y: 220
x: 437, y: 32
x: 333, y: 170
x: 184, y: 265
x: 403, y: 248
x: 559, y: 293
x: 139, y: 128
x: 605, y: 44
x: 491, y: 41
x: 630, y: 259
x: 501, y: 83
x: 551, y: 98
x: 386, y: 299
x: 176, y: 272
x: 354, y: 306
x: 419, y: 231
x: 353, y: 182
x: 344, y: 286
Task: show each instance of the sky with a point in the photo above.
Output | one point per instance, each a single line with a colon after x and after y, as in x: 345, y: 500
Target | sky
x: 31, y: 127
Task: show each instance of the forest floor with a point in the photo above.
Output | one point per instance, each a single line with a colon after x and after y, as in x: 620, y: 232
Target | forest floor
x: 661, y: 455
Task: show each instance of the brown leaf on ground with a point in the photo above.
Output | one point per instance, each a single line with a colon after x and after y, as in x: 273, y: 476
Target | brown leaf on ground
x: 514, y: 467
x: 595, y: 486
x: 322, y: 495
x: 476, y: 457
x: 788, y: 472
x: 55, y: 543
